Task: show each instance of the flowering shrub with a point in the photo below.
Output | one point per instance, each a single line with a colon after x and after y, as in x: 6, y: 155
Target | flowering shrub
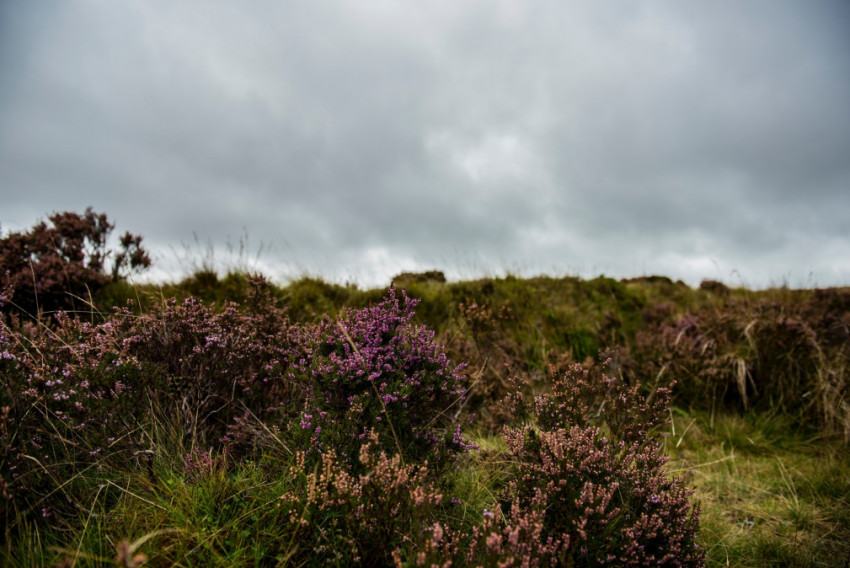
x: 49, y: 265
x: 373, y: 369
x: 211, y: 363
x: 591, y: 481
x: 338, y: 517
x: 75, y: 394
x: 211, y: 373
x: 517, y: 540
x: 67, y: 403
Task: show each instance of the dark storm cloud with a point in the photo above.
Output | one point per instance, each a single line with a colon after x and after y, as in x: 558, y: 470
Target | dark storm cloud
x: 361, y: 139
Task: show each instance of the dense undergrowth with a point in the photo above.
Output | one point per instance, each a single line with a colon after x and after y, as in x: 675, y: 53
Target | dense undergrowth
x: 499, y: 422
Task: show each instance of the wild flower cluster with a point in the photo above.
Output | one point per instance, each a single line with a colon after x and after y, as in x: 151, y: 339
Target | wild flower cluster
x: 199, y: 465
x: 374, y: 370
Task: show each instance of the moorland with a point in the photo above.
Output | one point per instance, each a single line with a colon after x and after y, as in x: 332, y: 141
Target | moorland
x: 227, y: 420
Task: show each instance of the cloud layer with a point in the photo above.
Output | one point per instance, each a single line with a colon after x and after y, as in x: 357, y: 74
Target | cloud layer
x: 357, y: 140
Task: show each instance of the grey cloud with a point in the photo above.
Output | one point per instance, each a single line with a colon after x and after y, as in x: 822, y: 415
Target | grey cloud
x: 618, y: 137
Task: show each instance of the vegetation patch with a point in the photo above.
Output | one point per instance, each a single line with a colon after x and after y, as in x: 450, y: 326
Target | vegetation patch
x: 228, y: 421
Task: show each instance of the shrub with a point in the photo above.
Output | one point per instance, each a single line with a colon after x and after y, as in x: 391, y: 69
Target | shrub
x: 428, y: 276
x: 685, y: 351
x: 212, y: 366
x: 482, y: 341
x: 590, y: 481
x: 67, y: 404
x: 372, y: 369
x: 715, y: 287
x: 519, y: 539
x: 49, y: 265
x: 76, y: 394
x: 343, y: 518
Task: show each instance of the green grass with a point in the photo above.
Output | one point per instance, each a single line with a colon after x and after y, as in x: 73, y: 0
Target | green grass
x: 771, y: 495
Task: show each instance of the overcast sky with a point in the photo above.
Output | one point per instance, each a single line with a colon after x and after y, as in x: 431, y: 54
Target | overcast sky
x: 356, y: 140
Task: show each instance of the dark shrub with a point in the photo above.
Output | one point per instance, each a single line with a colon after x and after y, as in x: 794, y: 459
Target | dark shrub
x: 207, y: 367
x: 75, y: 394
x: 766, y: 356
x: 49, y: 265
x: 715, y: 287
x: 429, y: 276
x: 67, y: 404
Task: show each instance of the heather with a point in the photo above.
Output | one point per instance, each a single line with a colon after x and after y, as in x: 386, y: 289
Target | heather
x: 58, y: 266
x: 227, y: 420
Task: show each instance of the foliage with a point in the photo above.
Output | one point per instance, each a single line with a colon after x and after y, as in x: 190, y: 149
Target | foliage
x: 373, y: 369
x: 65, y: 404
x: 592, y: 469
x: 339, y: 517
x: 214, y: 365
x: 72, y: 390
x: 788, y: 357
x: 50, y: 266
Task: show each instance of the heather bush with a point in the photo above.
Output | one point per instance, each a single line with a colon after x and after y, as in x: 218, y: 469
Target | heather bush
x: 66, y: 407
x: 212, y: 365
x: 51, y: 265
x: 338, y: 517
x: 683, y: 350
x: 518, y: 539
x: 76, y: 395
x: 373, y: 369
x: 590, y: 469
x: 239, y: 375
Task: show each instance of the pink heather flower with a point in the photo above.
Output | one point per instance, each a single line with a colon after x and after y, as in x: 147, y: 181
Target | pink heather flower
x: 437, y: 535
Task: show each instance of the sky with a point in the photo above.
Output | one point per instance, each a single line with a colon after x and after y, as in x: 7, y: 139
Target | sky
x: 357, y: 140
